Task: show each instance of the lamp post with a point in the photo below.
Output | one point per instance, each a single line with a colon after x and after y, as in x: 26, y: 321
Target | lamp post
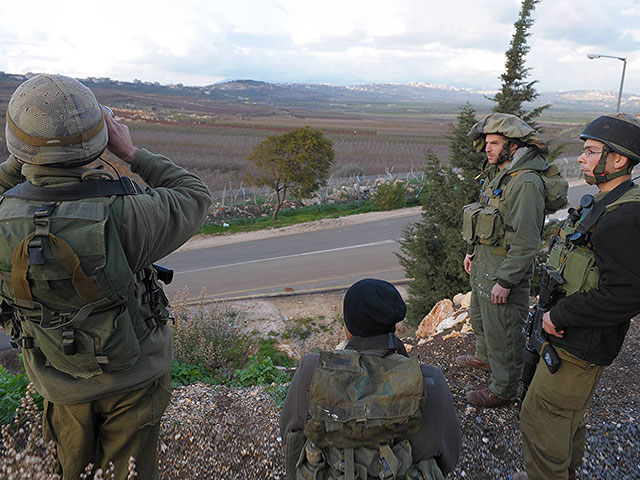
x: 593, y: 56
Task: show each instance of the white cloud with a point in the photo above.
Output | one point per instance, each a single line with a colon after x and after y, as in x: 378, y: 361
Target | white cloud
x: 197, y: 42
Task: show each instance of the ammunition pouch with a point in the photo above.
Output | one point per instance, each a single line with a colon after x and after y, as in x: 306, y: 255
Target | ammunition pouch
x: 483, y: 224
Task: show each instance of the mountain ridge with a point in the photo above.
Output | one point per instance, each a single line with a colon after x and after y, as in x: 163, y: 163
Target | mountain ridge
x: 419, y: 93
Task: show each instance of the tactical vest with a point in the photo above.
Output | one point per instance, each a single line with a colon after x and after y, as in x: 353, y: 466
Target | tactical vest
x: 63, y: 270
x: 361, y: 409
x: 487, y: 221
x: 577, y: 263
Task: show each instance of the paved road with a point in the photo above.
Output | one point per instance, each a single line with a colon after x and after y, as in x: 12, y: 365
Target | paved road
x: 305, y: 262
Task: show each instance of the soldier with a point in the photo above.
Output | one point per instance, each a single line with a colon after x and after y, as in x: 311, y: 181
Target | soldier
x: 363, y: 411
x: 76, y: 254
x: 597, y: 252
x: 503, y: 230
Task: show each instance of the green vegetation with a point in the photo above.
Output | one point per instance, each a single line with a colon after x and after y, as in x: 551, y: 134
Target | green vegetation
x: 296, y: 162
x: 208, y: 348
x: 390, y: 196
x: 303, y: 328
x: 12, y: 390
x: 185, y: 374
x: 259, y: 372
x: 289, y: 216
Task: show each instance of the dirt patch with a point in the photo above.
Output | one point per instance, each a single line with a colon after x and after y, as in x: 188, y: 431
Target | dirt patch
x: 300, y: 323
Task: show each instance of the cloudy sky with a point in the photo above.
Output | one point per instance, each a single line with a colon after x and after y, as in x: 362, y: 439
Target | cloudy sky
x: 341, y: 42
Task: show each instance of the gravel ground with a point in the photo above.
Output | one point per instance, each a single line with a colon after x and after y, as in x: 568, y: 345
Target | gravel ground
x: 215, y: 433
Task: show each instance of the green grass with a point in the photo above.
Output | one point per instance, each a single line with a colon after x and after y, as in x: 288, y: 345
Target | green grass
x: 291, y: 216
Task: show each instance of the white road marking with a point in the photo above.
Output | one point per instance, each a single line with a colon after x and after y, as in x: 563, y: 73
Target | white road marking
x: 317, y: 252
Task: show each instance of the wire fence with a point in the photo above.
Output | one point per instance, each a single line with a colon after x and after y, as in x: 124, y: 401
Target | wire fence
x: 354, y: 187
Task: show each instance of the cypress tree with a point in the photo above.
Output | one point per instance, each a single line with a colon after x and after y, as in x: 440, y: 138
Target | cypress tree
x: 515, y: 89
x: 432, y: 250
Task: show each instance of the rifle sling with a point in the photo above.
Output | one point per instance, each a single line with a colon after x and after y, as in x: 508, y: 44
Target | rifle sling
x: 594, y: 214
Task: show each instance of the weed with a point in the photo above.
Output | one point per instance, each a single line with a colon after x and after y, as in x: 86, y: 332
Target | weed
x: 12, y: 390
x: 390, y: 195
x: 206, y: 336
x: 267, y: 349
x: 259, y: 372
x: 185, y: 374
x: 277, y: 393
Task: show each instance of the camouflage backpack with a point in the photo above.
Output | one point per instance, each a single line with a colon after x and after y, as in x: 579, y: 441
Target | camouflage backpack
x: 360, y: 412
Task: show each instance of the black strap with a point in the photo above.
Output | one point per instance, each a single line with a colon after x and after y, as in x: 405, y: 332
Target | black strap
x: 596, y: 212
x: 92, y: 188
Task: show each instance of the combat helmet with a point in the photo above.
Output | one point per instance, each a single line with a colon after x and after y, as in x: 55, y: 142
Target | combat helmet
x: 513, y: 128
x: 55, y: 120
x: 620, y: 133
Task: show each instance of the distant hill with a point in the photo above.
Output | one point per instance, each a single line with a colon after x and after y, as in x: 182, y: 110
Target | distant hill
x: 327, y: 96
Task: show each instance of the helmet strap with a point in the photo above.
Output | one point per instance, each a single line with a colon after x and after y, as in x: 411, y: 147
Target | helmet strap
x: 599, y: 175
x: 505, y: 153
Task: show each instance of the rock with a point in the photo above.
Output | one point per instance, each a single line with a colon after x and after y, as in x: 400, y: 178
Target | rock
x: 462, y: 300
x: 440, y: 312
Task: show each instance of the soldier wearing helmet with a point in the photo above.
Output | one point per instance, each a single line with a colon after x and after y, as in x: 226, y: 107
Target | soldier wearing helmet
x: 597, y: 252
x: 503, y: 231
x: 76, y: 252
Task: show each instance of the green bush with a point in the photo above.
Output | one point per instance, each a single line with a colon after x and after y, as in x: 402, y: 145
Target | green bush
x: 185, y: 374
x: 12, y: 389
x: 390, y: 196
x: 206, y: 336
x: 259, y: 372
x: 268, y: 350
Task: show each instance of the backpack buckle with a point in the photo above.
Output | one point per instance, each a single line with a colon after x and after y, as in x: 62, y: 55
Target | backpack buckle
x: 69, y: 346
x: 35, y: 251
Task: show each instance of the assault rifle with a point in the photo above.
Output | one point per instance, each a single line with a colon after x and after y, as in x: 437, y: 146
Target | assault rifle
x: 537, y: 343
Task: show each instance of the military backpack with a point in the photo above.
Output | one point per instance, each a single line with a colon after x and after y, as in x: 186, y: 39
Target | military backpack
x: 361, y: 410
x: 64, y: 272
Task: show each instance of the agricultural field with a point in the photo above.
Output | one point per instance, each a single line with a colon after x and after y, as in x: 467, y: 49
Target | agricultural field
x: 213, y: 138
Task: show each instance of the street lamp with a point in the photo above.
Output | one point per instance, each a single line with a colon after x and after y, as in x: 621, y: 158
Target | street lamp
x: 593, y: 56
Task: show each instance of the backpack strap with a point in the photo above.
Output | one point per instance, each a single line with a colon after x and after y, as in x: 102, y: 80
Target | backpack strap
x: 91, y: 188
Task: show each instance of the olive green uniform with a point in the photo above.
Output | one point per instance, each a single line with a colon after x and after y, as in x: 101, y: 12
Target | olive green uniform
x: 602, y: 284
x: 114, y: 415
x: 504, y: 245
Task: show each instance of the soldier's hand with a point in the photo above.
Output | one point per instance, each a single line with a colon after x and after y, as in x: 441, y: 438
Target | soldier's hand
x: 549, y: 327
x: 120, y: 143
x: 468, y: 260
x: 499, y: 294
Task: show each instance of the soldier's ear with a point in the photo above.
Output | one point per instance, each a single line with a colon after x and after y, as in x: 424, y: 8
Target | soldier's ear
x: 620, y: 162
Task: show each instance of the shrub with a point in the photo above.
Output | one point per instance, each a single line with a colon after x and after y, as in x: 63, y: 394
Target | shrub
x: 390, y: 196
x: 259, y: 372
x: 12, y: 390
x: 206, y: 336
x: 185, y: 374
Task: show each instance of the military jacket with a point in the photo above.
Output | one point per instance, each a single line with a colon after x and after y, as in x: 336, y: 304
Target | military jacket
x: 507, y: 219
x: 602, y: 281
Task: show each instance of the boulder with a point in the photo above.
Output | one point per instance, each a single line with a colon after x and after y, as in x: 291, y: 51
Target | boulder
x: 440, y: 312
x: 462, y: 300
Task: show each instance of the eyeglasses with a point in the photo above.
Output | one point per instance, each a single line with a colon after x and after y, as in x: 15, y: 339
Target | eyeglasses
x: 588, y: 153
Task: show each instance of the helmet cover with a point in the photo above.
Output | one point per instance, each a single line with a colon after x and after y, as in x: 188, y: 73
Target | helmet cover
x: 55, y: 120
x: 509, y: 126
